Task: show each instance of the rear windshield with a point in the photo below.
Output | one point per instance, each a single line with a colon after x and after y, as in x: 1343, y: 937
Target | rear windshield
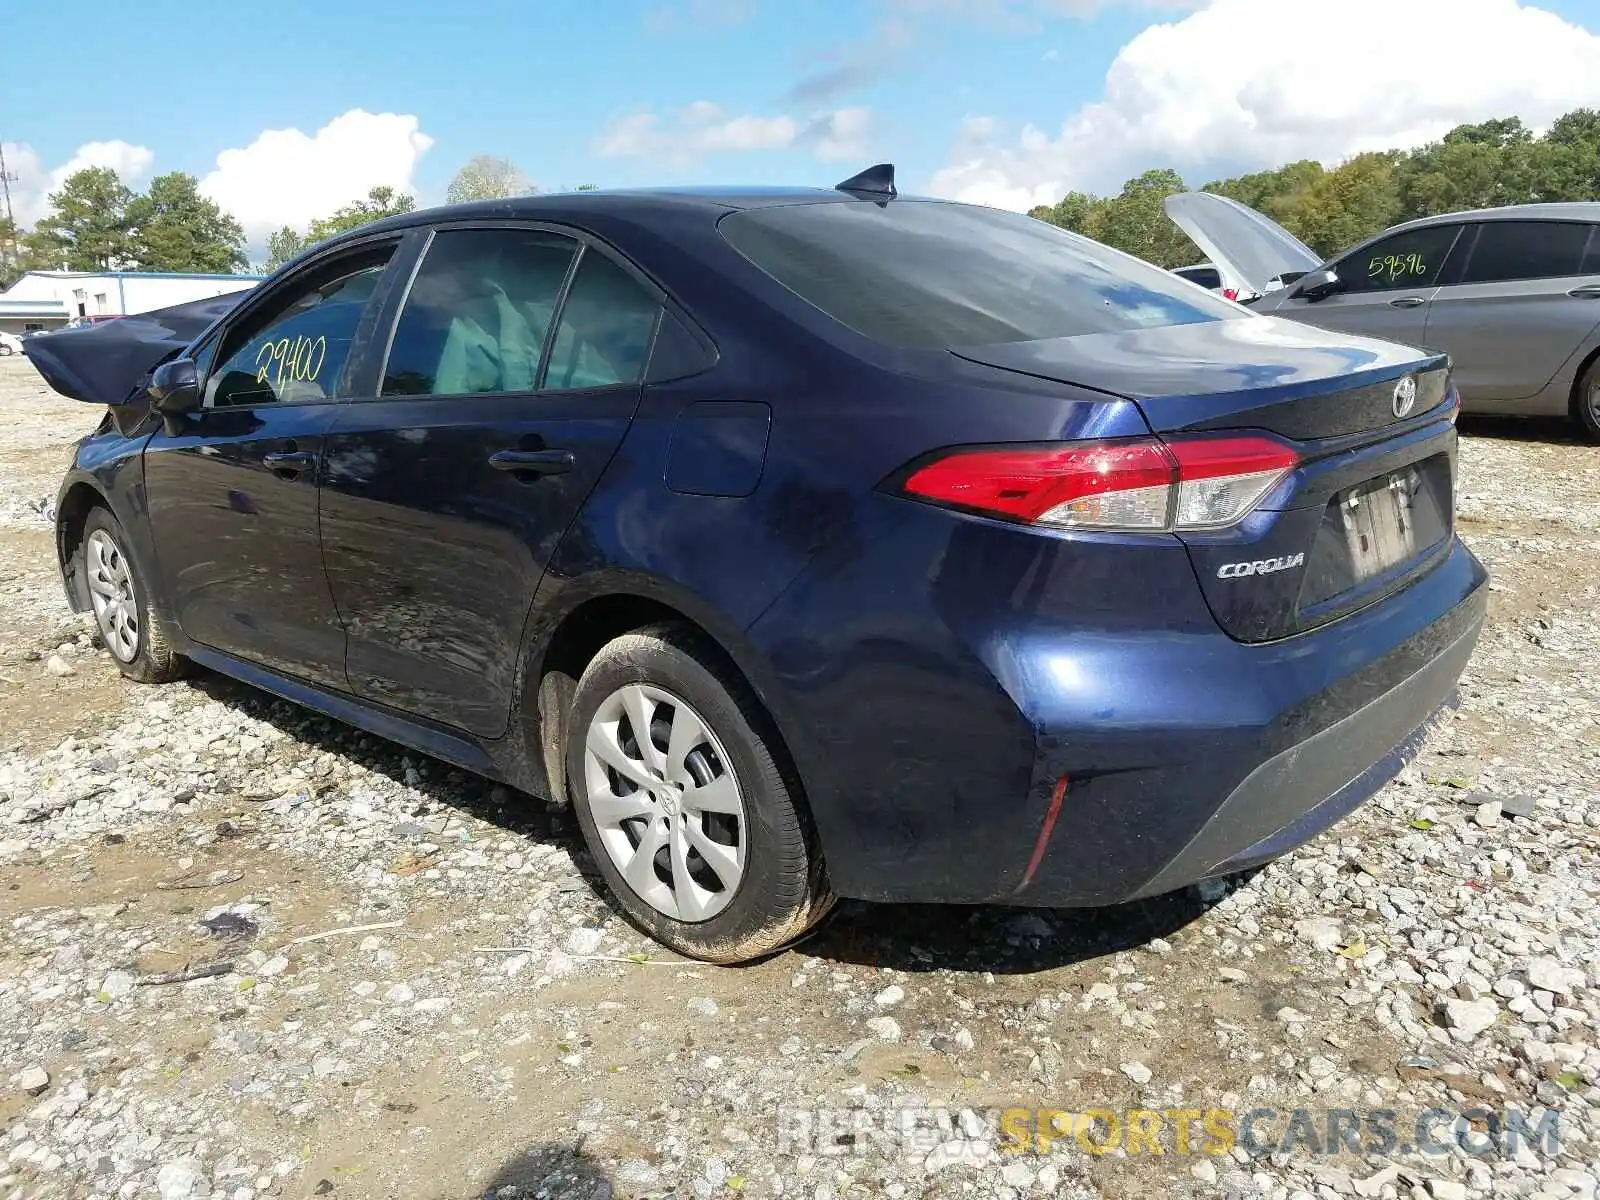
x: 929, y: 274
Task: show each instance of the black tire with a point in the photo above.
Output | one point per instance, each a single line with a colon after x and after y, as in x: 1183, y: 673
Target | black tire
x: 154, y: 660
x: 1586, y: 402
x: 783, y: 889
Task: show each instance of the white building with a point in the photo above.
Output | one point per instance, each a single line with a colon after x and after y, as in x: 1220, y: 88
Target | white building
x: 50, y: 299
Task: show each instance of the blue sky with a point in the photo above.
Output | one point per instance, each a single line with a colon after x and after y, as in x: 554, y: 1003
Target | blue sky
x: 1000, y: 101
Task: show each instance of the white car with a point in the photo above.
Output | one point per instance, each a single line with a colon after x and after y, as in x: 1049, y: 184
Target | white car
x: 10, y: 343
x: 1212, y: 278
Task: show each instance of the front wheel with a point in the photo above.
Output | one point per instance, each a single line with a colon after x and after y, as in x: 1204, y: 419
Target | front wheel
x: 1586, y: 404
x: 682, y: 802
x: 120, y: 598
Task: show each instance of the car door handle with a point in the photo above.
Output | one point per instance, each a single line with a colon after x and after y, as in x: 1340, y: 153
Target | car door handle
x: 289, y: 461
x: 1407, y: 302
x: 534, y: 462
x: 1589, y: 291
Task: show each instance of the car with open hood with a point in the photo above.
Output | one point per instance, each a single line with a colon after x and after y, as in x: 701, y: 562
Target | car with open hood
x: 1511, y: 294
x: 807, y: 542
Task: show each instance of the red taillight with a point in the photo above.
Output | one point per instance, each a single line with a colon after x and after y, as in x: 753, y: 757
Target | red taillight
x: 1136, y: 484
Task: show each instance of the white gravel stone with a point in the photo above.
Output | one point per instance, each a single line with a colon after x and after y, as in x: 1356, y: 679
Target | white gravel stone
x: 33, y: 1080
x: 1469, y: 1018
x: 583, y: 941
x: 885, y: 1029
x: 890, y: 996
x: 1549, y: 975
x: 1324, y: 933
x: 180, y: 1179
x: 1137, y: 1072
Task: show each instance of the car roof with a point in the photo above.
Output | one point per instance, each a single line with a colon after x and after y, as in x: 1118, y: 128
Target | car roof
x: 1570, y: 210
x: 636, y: 203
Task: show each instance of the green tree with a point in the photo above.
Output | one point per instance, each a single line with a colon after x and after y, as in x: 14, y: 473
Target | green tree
x: 1079, y: 212
x: 1269, y: 192
x: 88, y: 227
x: 174, y: 228
x: 1481, y: 165
x: 13, y: 257
x: 380, y: 202
x: 282, y: 246
x: 1134, y: 221
x: 1356, y: 199
x: 487, y: 178
x: 1565, y: 163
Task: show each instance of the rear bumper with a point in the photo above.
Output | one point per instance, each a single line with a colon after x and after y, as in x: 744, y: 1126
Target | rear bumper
x: 1267, y: 814
x: 934, y: 724
x: 1232, y: 803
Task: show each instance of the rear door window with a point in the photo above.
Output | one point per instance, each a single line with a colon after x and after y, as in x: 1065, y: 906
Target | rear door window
x: 927, y: 274
x: 478, y: 313
x: 1412, y: 259
x: 606, y: 327
x: 1527, y: 250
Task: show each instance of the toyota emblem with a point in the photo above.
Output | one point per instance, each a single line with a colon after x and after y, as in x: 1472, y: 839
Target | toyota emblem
x: 1405, y: 396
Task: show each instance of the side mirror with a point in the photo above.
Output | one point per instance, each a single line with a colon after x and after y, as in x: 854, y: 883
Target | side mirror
x: 175, y: 388
x: 1315, y: 285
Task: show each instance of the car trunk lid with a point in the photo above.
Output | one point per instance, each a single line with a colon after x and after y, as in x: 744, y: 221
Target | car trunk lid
x: 1368, y: 506
x: 1238, y: 239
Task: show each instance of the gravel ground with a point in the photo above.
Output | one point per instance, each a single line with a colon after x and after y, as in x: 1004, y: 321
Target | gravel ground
x: 248, y: 952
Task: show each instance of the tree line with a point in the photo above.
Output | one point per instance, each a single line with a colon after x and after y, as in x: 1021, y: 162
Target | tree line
x: 96, y: 222
x: 1485, y: 165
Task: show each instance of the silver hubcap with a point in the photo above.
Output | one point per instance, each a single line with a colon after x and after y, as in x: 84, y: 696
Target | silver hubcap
x: 1594, y: 403
x: 665, y: 800
x: 111, y: 591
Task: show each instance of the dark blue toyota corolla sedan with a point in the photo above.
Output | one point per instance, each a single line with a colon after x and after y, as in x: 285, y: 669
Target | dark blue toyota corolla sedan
x: 809, y: 543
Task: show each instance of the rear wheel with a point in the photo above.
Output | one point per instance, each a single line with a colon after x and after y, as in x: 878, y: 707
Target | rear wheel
x: 119, y: 597
x: 682, y: 802
x: 1586, y: 404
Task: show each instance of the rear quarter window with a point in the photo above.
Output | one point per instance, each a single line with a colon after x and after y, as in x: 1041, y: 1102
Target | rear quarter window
x: 928, y: 274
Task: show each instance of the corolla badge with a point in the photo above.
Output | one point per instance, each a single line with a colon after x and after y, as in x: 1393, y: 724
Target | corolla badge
x: 1405, y: 396
x: 1263, y: 566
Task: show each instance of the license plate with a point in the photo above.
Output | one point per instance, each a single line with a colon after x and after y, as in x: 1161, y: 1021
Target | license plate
x: 1378, y: 523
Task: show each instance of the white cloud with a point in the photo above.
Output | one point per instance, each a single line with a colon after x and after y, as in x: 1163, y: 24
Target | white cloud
x: 841, y: 134
x: 286, y: 177
x: 1247, y: 84
x: 701, y: 128
x: 30, y: 190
